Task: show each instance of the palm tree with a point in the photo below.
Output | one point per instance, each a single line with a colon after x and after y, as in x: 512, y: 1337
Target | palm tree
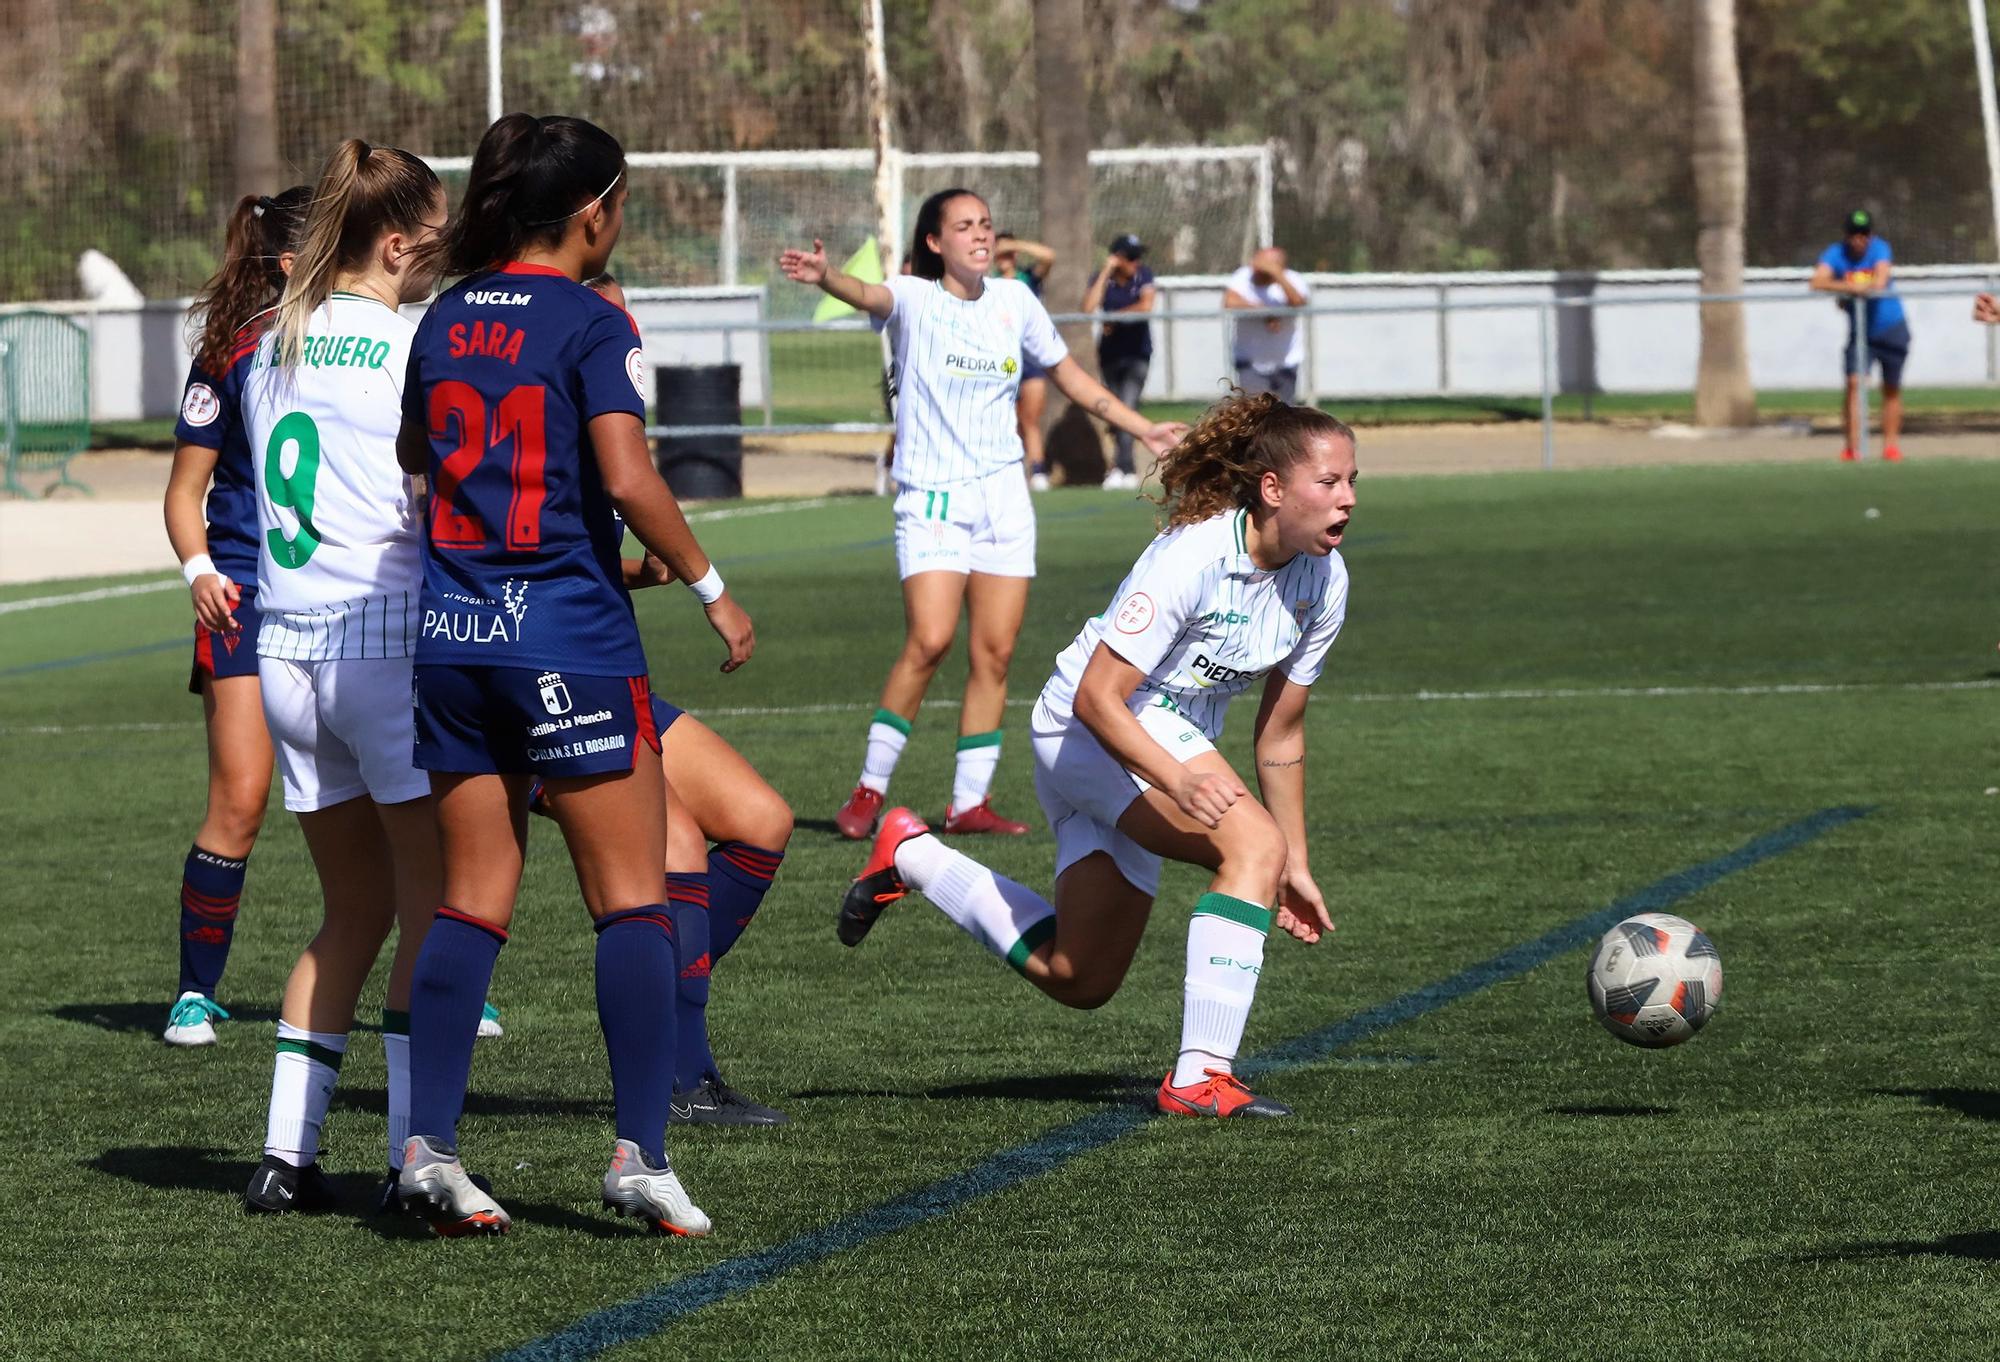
x: 257, y: 165
x: 1722, y: 392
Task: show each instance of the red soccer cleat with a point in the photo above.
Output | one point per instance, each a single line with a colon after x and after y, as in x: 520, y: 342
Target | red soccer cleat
x: 1848, y: 455
x: 981, y: 818
x: 1219, y: 1094
x: 857, y: 816
x: 878, y: 885
x: 1892, y: 454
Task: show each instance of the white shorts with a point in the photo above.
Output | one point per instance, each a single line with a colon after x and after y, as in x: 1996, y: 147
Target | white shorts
x: 342, y: 728
x: 1084, y: 790
x: 987, y: 525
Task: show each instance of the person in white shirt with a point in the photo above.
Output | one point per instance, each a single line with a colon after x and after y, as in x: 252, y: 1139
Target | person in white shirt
x: 1244, y: 588
x: 1268, y: 350
x: 339, y: 571
x: 965, y: 527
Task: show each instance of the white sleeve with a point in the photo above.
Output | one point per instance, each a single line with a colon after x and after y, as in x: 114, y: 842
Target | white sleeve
x: 1298, y: 281
x: 1243, y: 284
x: 1153, y: 607
x: 1308, y: 659
x: 903, y: 290
x: 1040, y: 341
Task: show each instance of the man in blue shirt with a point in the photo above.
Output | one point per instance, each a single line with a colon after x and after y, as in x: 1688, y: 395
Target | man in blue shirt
x: 1124, y: 349
x: 1858, y: 266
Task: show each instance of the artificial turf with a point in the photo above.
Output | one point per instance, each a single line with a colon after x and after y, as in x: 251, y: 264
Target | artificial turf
x: 1553, y: 691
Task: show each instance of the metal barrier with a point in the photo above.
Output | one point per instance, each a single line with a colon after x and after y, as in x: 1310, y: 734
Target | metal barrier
x: 1550, y: 346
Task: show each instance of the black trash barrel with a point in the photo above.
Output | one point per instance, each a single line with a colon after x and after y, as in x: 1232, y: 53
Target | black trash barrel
x: 700, y: 466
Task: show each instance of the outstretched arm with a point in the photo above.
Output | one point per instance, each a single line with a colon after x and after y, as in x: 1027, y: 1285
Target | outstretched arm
x: 811, y: 267
x: 214, y: 595
x: 1080, y: 388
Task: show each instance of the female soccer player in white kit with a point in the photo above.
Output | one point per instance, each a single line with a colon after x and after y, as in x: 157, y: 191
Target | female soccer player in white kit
x: 339, y: 573
x: 965, y: 528
x: 1243, y: 586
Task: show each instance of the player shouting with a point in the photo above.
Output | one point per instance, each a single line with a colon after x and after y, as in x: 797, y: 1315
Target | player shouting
x: 524, y: 407
x: 218, y: 552
x: 1243, y: 586
x: 965, y: 527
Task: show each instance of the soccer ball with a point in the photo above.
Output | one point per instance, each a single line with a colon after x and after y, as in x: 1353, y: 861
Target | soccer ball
x: 1655, y: 980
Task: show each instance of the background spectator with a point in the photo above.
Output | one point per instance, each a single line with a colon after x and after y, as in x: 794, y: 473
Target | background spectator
x: 1124, y: 349
x: 1858, y: 266
x: 1268, y: 350
x: 1030, y: 262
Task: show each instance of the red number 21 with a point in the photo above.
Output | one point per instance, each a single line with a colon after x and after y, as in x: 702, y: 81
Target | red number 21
x: 458, y: 413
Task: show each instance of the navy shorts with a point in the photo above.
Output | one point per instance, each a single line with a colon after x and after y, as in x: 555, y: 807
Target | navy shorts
x: 523, y: 721
x: 222, y: 655
x: 664, y: 714
x: 1889, y: 350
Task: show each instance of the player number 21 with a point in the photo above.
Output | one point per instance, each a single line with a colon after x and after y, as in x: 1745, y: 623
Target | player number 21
x: 458, y: 413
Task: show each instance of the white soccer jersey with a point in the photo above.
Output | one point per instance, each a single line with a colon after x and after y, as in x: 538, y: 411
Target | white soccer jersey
x: 1205, y: 624
x: 340, y: 548
x: 957, y: 374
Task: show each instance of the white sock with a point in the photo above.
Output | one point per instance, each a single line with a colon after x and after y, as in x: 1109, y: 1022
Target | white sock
x: 301, y: 1090
x: 978, y: 759
x: 1225, y: 955
x: 396, y: 1050
x: 1008, y: 919
x: 886, y: 735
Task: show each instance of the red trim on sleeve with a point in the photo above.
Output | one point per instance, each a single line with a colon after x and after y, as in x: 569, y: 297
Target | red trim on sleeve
x: 523, y: 267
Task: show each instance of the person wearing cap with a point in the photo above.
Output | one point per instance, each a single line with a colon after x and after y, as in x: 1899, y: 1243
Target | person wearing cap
x: 1124, y: 349
x: 1269, y: 350
x: 1858, y: 266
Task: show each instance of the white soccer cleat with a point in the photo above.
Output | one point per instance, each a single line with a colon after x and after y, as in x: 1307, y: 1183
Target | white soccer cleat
x: 191, y: 1021
x: 436, y: 1186
x: 489, y: 1023
x: 634, y: 1187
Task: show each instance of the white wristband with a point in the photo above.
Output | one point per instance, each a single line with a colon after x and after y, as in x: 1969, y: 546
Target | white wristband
x: 201, y: 565
x: 709, y: 588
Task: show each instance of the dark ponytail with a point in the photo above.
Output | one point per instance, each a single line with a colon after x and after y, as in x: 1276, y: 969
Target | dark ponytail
x: 926, y: 263
x: 249, y: 280
x: 530, y: 176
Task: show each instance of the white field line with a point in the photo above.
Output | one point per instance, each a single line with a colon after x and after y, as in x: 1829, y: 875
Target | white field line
x: 103, y: 593
x: 1418, y: 697
x: 735, y: 512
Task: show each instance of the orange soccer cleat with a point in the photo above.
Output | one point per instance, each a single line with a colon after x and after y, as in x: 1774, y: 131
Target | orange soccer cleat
x: 1219, y: 1094
x: 878, y: 885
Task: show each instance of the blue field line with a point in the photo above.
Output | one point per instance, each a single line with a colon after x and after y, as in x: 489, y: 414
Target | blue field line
x: 658, y: 1309
x: 85, y: 659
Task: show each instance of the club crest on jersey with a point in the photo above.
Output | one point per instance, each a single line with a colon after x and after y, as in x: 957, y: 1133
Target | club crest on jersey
x: 635, y: 369
x: 555, y: 695
x: 1299, y: 611
x: 201, y: 406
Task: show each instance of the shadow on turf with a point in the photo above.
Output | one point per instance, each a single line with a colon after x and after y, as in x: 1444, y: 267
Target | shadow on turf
x: 346, y: 1098
x: 150, y: 1018
x: 1610, y: 1110
x: 1982, y: 1104
x: 1978, y: 1246
x: 1102, y: 1088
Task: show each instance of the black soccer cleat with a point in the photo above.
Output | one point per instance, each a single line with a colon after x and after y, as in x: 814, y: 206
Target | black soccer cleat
x: 715, y: 1103
x: 278, y: 1188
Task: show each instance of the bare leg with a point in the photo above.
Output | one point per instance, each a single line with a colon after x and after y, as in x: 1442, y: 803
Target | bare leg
x: 616, y: 828
x: 931, y: 602
x: 483, y: 840
x: 1892, y: 415
x: 1851, y: 413
x: 239, y: 766
x: 997, y: 607
x: 725, y: 799
x: 352, y: 855
x: 1028, y: 411
x: 412, y: 832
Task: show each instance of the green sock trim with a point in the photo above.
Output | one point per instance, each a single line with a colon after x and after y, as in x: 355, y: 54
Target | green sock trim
x: 976, y: 740
x: 395, y: 1023
x: 893, y: 719
x: 1031, y: 941
x: 315, y: 1052
x: 1252, y: 915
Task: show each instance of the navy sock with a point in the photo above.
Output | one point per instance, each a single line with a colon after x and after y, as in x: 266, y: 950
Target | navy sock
x: 687, y: 904
x: 739, y: 875
x: 454, y: 970
x: 635, y: 954
x: 210, y: 888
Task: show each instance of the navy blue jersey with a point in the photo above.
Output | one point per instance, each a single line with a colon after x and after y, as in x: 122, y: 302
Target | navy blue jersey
x: 212, y: 417
x: 522, y: 566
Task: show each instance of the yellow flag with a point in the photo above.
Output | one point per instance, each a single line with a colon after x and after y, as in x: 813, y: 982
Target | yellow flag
x: 865, y: 265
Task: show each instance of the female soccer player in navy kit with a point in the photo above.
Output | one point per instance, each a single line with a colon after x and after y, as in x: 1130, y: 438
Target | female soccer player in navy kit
x: 218, y: 556
x: 1245, y: 585
x: 524, y: 407
x: 965, y: 528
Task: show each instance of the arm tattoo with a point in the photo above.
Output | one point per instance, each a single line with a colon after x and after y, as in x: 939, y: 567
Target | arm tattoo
x: 1295, y: 761
x: 1101, y: 405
